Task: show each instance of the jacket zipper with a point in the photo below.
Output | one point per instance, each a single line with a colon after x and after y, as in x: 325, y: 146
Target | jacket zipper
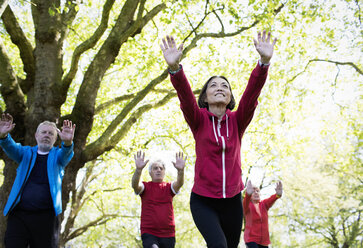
x: 223, y: 159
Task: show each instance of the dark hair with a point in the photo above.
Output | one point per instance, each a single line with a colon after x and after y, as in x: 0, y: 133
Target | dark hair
x: 202, y: 95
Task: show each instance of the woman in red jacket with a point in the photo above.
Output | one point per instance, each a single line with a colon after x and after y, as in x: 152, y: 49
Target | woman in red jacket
x: 215, y: 201
x: 256, y: 233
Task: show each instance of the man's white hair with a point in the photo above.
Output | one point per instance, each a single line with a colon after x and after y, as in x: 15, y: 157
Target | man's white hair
x: 159, y: 161
x: 48, y: 123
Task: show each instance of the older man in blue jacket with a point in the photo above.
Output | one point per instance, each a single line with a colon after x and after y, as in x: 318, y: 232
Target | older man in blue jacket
x: 35, y: 199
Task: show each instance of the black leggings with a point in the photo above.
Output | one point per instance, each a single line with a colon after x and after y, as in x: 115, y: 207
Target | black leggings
x: 148, y: 240
x: 255, y: 245
x: 218, y: 220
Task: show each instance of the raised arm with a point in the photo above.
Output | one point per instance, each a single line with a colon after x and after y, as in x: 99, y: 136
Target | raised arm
x: 67, y: 132
x: 247, y: 198
x: 140, y: 163
x: 256, y: 81
x: 188, y: 103
x: 172, y: 54
x: 6, y: 125
x: 179, y: 164
x: 271, y: 200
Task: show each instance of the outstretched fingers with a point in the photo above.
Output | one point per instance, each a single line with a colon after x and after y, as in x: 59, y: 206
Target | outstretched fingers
x: 168, y: 42
x: 67, y: 124
x: 163, y: 46
x: 278, y: 188
x: 139, y: 158
x: 259, y: 36
x: 180, y: 48
x: 171, y: 41
x: 139, y: 154
x: 180, y: 155
x: 6, y: 124
x: 268, y: 37
x: 274, y: 42
x: 263, y: 38
x: 6, y: 117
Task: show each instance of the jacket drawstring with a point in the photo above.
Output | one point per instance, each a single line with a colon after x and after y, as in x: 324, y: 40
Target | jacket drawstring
x: 214, y: 130
x: 227, y: 126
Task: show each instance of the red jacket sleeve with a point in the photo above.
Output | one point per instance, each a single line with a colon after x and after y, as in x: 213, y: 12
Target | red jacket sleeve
x: 188, y: 103
x: 246, y: 203
x: 248, y: 102
x: 270, y: 201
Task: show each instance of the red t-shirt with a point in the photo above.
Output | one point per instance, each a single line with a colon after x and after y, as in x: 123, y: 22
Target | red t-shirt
x: 157, y: 214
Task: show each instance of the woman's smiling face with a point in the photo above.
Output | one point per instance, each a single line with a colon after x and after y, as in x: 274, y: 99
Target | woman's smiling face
x: 218, y: 92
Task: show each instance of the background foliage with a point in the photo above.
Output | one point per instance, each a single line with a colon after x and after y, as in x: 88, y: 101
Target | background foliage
x: 307, y: 129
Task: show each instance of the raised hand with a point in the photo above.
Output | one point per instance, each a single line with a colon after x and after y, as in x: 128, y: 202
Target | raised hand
x: 278, y: 188
x: 171, y: 53
x: 249, y: 188
x: 264, y: 47
x: 67, y: 133
x: 6, y: 125
x: 179, y: 163
x: 139, y: 160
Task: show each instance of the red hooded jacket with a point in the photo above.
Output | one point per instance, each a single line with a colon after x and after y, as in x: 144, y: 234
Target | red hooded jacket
x: 218, y: 171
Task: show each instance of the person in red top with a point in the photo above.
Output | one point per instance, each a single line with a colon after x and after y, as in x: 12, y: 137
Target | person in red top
x: 157, y: 215
x: 216, y: 202
x: 256, y: 233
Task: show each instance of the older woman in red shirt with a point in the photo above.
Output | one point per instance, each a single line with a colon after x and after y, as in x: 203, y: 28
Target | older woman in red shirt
x: 256, y: 233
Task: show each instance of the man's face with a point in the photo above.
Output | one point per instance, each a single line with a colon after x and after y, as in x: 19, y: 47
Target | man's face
x: 157, y: 172
x: 45, y: 137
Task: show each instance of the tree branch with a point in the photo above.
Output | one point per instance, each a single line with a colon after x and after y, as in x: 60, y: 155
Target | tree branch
x: 99, y: 221
x: 219, y: 20
x: 76, y: 204
x: 18, y: 37
x: 124, y: 28
x: 78, y: 199
x: 172, y: 137
x: 321, y: 60
x: 67, y: 18
x: 328, y: 61
x: 149, y: 16
x: 102, y: 144
x: 106, y: 142
x: 10, y: 89
x: 339, y: 63
x: 87, y: 44
x: 117, y: 100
